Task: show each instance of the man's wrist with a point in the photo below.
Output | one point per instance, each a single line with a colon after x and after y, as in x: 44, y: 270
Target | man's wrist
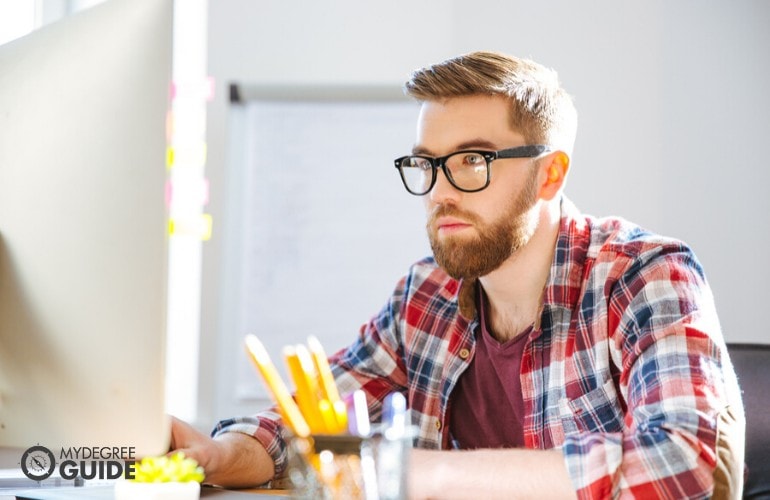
x: 239, y: 460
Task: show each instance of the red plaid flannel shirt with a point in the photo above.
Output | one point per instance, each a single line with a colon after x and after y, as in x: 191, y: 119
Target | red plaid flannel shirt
x: 626, y: 374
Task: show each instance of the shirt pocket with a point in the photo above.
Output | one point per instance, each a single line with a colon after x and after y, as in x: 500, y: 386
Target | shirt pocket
x: 596, y: 411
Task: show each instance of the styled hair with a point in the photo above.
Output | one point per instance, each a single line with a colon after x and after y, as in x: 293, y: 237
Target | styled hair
x: 540, y: 108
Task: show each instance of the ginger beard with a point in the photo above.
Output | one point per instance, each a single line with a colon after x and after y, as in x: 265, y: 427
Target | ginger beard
x: 470, y: 257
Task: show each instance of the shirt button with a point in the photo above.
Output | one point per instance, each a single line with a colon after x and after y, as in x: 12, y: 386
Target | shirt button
x: 438, y: 424
x: 464, y: 353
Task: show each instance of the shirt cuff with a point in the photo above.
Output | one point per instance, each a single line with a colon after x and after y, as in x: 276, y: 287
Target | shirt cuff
x: 266, y: 429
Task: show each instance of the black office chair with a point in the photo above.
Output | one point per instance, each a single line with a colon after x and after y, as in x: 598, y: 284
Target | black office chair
x: 752, y: 364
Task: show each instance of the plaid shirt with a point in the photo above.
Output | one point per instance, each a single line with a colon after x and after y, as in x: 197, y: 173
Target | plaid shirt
x: 626, y: 374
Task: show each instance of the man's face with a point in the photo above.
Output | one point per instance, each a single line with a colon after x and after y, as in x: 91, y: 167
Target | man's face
x: 472, y: 234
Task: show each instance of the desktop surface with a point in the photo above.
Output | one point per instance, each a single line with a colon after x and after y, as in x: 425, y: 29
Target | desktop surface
x: 107, y: 492
x: 13, y: 484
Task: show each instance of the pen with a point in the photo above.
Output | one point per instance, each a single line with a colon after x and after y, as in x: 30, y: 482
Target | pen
x: 286, y: 405
x: 394, y: 414
x: 358, y: 414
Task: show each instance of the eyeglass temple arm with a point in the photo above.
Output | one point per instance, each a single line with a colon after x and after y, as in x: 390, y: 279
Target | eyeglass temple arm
x: 524, y: 151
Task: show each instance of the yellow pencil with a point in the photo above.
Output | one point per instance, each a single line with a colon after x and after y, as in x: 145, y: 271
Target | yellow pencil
x: 328, y: 386
x: 341, y: 413
x: 286, y: 405
x: 329, y: 418
x: 300, y: 366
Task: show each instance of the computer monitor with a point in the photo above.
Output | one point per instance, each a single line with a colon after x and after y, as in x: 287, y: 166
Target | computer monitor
x: 83, y: 230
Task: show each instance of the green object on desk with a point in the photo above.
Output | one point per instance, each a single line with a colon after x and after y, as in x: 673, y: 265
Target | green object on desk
x: 165, y: 469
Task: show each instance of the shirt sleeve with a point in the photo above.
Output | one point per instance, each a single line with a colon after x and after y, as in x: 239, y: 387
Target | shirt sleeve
x: 664, y: 333
x: 372, y: 363
x: 375, y: 363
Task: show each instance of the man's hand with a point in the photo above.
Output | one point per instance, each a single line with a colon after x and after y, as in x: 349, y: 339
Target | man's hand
x: 232, y: 459
x: 194, y: 444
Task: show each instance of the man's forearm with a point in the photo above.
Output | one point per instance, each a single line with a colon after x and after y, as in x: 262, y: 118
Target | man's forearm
x: 505, y: 473
x: 240, y: 461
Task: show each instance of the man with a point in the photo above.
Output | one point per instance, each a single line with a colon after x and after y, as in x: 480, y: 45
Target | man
x: 561, y: 353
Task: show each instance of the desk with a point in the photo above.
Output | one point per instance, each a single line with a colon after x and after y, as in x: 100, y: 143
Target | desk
x: 9, y: 459
x: 212, y: 492
x: 107, y: 493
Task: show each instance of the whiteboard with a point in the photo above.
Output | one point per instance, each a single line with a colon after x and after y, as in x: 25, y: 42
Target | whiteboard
x: 324, y: 226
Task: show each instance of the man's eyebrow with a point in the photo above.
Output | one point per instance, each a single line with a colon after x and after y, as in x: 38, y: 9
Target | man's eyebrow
x: 472, y: 144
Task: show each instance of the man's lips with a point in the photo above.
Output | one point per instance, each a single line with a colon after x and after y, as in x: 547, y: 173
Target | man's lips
x: 450, y: 224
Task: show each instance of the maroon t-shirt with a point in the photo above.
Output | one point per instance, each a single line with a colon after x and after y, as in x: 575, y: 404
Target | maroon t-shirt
x: 487, y: 408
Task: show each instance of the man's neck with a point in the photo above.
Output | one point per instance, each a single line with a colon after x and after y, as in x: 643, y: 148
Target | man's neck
x: 515, y: 290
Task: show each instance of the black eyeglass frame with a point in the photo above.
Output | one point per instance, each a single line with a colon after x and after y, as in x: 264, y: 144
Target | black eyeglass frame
x: 529, y: 151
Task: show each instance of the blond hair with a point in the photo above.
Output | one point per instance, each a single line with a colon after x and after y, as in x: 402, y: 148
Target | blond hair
x: 540, y: 108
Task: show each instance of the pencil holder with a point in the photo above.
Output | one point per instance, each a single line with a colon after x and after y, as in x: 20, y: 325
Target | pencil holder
x: 348, y: 467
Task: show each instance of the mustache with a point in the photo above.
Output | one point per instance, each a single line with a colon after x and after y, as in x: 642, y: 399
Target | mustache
x: 450, y: 211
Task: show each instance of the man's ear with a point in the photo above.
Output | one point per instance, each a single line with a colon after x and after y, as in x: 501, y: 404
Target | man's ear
x: 554, y: 174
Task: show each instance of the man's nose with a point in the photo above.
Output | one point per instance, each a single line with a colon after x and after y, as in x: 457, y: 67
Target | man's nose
x: 443, y: 191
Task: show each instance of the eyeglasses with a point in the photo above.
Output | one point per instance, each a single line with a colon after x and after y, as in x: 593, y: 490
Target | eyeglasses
x: 467, y: 170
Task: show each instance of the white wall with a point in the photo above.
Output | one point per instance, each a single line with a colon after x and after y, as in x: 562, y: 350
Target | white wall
x: 672, y: 100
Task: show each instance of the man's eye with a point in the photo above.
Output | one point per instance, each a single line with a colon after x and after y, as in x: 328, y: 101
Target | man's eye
x: 472, y: 160
x: 422, y: 164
